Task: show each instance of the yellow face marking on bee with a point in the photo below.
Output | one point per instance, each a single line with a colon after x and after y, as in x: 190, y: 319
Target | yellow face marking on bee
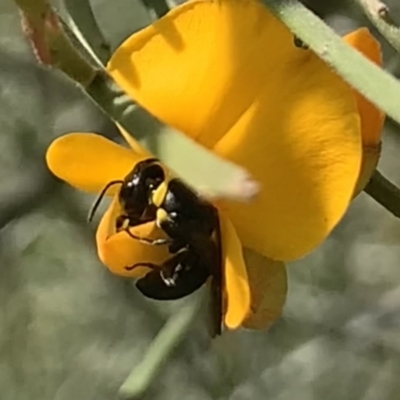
x: 161, y: 216
x: 158, y: 195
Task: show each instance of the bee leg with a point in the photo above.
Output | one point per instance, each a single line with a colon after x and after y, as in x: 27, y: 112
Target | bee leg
x: 143, y: 264
x: 178, y: 277
x: 151, y: 242
x: 172, y: 268
x: 168, y: 271
x: 177, y: 245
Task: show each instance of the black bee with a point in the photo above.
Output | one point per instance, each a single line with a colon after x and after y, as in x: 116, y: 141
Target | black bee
x: 192, y: 228
x: 134, y: 194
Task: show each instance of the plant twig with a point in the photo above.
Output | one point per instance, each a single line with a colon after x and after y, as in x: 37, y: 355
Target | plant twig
x: 378, y: 86
x: 160, y: 350
x: 379, y: 14
x: 384, y: 192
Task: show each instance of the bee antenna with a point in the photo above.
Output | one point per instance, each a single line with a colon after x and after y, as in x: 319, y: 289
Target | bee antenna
x: 96, y: 204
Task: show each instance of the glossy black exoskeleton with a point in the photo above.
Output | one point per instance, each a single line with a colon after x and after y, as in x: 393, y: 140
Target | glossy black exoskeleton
x: 134, y: 194
x: 192, y: 227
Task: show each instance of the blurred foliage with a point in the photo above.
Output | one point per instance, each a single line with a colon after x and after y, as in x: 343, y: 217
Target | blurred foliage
x: 70, y: 330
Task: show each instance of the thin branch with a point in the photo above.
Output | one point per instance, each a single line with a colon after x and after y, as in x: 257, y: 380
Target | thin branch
x: 379, y: 14
x: 160, y: 350
x: 372, y: 82
x: 384, y: 192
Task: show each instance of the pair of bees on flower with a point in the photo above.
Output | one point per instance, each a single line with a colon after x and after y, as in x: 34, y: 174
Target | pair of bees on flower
x: 192, y: 233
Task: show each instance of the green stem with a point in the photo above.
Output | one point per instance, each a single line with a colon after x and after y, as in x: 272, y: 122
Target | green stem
x: 160, y: 350
x: 113, y: 101
x: 371, y: 81
x: 379, y: 15
x: 82, y: 21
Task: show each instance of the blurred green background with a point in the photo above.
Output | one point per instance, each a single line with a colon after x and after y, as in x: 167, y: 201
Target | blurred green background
x: 71, y: 330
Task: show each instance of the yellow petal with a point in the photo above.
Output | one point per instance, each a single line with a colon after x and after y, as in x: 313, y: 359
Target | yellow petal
x: 372, y: 118
x: 182, y: 67
x: 306, y: 155
x: 119, y: 250
x: 300, y: 139
x: 268, y: 288
x: 227, y: 73
x: 235, y: 276
x: 88, y: 161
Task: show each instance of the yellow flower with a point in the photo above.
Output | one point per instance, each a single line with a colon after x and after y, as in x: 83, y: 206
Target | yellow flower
x: 88, y: 162
x: 227, y: 74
